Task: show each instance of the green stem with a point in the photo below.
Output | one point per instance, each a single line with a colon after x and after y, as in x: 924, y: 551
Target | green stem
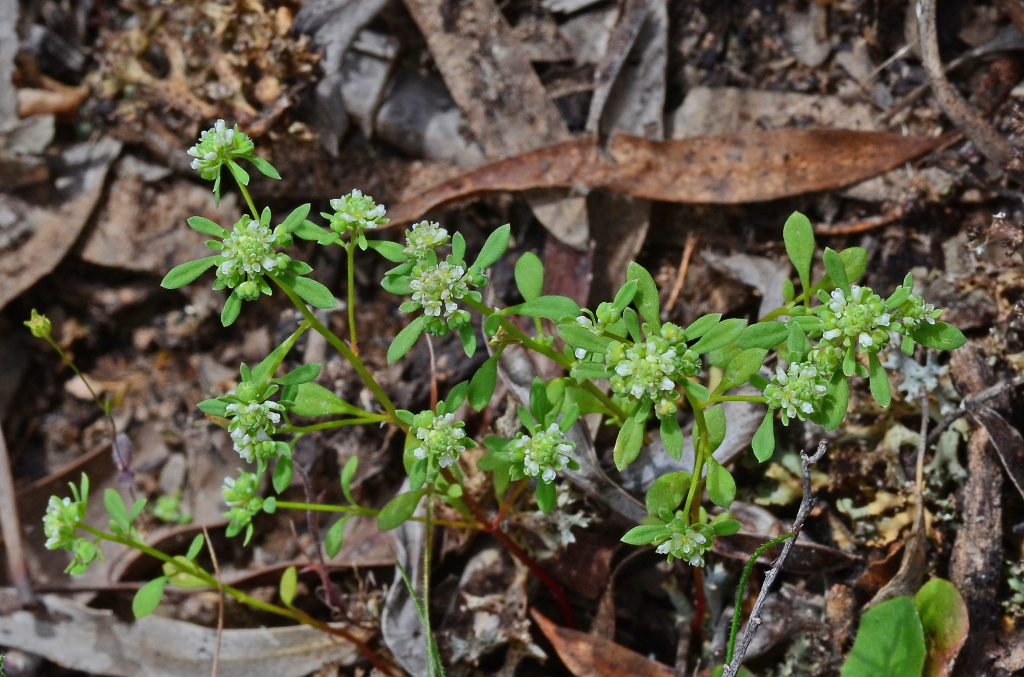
x: 206, y: 577
x: 547, y: 351
x: 736, y: 398
x: 95, y: 397
x: 345, y: 351
x: 326, y: 425
x: 350, y: 252
x: 428, y: 545
x: 248, y: 200
x: 742, y: 586
x: 370, y: 512
x: 698, y: 456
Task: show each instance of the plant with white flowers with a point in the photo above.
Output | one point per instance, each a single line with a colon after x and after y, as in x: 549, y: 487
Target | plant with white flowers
x: 620, y: 364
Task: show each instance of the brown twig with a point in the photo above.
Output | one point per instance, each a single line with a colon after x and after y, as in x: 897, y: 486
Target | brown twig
x: 986, y: 394
x: 806, y: 504
x: 854, y: 227
x: 684, y: 265
x: 968, y: 120
x: 10, y: 527
x: 334, y: 600
x: 220, y: 610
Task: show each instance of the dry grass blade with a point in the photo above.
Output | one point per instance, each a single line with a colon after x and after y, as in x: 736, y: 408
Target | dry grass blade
x: 591, y: 656
x: 744, y: 168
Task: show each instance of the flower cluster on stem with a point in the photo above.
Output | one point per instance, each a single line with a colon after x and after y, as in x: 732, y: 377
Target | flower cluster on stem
x: 685, y: 541
x: 253, y: 420
x: 441, y: 438
x: 542, y: 454
x: 650, y: 371
x: 247, y: 253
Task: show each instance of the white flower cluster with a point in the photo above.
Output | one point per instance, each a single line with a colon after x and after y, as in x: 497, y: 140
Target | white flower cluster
x: 797, y: 392
x: 651, y: 370
x: 242, y: 501
x: 355, y: 211
x: 248, y: 253
x: 687, y: 542
x: 424, y: 237
x: 60, y: 521
x: 862, y: 317
x: 543, y: 454
x: 218, y: 145
x: 252, y: 423
x: 437, y: 288
x: 442, y: 438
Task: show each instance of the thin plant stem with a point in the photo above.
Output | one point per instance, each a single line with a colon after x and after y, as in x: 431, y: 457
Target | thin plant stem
x: 547, y: 351
x: 370, y: 512
x: 736, y: 398
x: 698, y: 460
x: 516, y: 493
x: 350, y: 252
x: 220, y: 609
x: 428, y: 545
x: 433, y: 375
x: 95, y: 397
x: 513, y: 548
x: 244, y: 598
x: 326, y: 425
x: 248, y: 199
x: 738, y: 610
x: 345, y: 351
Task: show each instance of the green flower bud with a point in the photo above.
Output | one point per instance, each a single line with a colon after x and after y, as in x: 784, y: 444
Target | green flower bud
x: 39, y: 325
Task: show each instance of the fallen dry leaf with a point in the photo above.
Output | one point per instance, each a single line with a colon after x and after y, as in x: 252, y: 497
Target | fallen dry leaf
x: 753, y: 167
x: 1006, y: 440
x: 591, y: 656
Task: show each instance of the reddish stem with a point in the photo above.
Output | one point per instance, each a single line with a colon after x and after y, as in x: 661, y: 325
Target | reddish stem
x: 506, y: 541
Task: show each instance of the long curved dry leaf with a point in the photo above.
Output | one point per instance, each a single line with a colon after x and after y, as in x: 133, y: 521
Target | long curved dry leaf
x: 591, y: 656
x: 753, y: 167
x: 1006, y: 440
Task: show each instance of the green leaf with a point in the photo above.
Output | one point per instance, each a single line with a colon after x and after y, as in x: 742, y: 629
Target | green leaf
x: 115, y: 508
x: 406, y: 338
x: 696, y: 390
x: 629, y: 441
x: 307, y: 230
x: 491, y: 324
x: 714, y: 419
x: 721, y: 485
x: 282, y: 474
x: 335, y: 536
x: 293, y: 220
x: 265, y: 167
x: 796, y: 342
x: 195, y: 547
x: 646, y: 297
x: 643, y: 534
x: 481, y: 386
x: 396, y: 284
x: 458, y: 248
x: 240, y: 174
x: 303, y: 374
x: 836, y: 400
x: 494, y: 247
x: 468, y: 338
x: 632, y: 322
x: 939, y: 336
x: 836, y: 270
x: 945, y: 624
x: 879, y: 381
x: 392, y: 251
x: 529, y: 276
x: 289, y: 584
x: 314, y: 293
x: 206, y: 227
x: 187, y: 272
x: 726, y: 527
x: 136, y: 510
x: 546, y: 496
x: 552, y: 307
x: 347, y: 473
x: 765, y: 335
x: 741, y: 368
x: 625, y: 295
x: 701, y: 325
x: 456, y: 396
x: 579, y: 336
x: 763, y: 443
x: 668, y: 492
x: 399, y: 509
x: 314, y: 400
x: 265, y: 370
x: 148, y: 597
x: 591, y: 371
x: 232, y: 307
x: 719, y: 336
x: 672, y: 437
x: 798, y: 235
x: 889, y: 643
